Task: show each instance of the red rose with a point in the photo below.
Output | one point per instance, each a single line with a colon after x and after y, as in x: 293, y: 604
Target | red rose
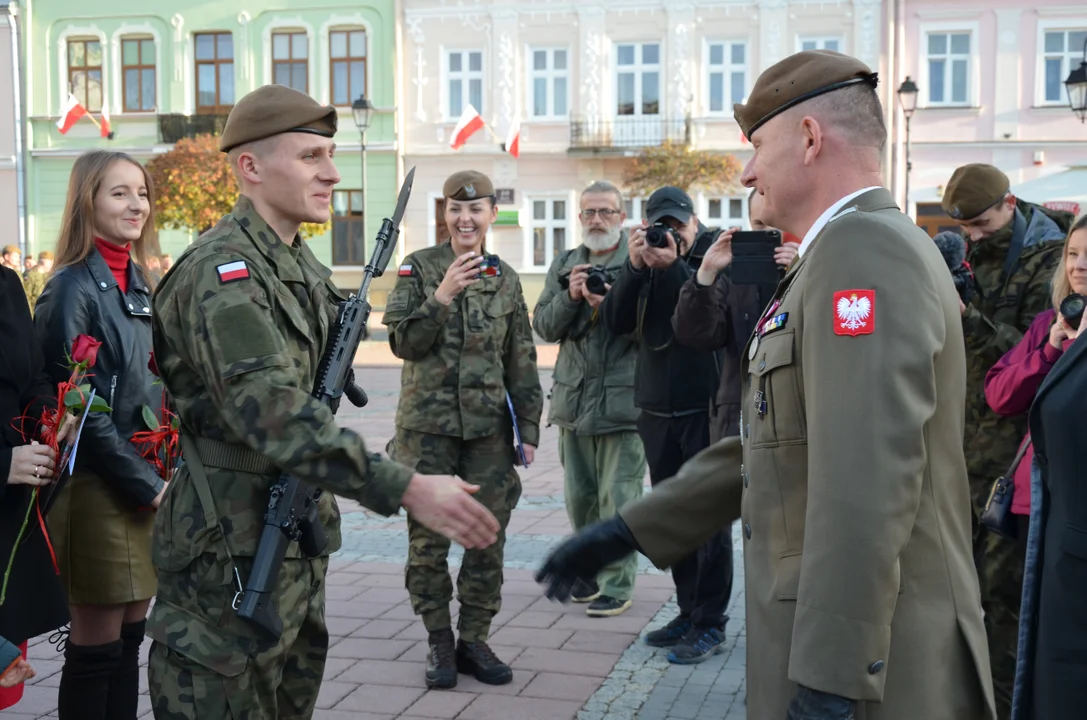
x: 85, y: 350
x: 153, y: 365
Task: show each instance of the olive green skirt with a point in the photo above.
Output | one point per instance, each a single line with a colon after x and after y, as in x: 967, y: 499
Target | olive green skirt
x: 103, y: 544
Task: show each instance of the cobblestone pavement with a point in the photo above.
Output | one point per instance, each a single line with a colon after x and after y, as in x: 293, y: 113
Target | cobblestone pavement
x: 566, y: 665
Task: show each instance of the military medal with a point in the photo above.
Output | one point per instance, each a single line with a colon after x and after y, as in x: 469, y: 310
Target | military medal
x: 760, y: 403
x: 754, y: 347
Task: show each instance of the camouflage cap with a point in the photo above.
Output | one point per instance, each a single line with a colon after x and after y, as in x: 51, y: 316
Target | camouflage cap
x: 274, y: 109
x: 795, y: 79
x: 972, y: 190
x: 467, y: 185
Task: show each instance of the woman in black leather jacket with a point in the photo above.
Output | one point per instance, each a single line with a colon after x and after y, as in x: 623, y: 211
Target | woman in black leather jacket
x: 102, y: 520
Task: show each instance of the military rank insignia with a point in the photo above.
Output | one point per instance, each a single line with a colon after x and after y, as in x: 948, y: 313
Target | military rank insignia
x: 775, y: 323
x: 230, y: 272
x: 405, y: 271
x: 854, y: 312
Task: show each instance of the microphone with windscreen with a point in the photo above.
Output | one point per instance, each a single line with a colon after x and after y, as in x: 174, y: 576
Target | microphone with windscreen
x: 953, y: 248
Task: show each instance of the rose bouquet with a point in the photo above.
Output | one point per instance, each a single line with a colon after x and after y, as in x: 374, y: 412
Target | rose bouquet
x: 160, y: 443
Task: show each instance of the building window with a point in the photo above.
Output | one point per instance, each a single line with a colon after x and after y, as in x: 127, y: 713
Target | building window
x: 633, y: 207
x: 550, y: 83
x: 726, y: 66
x: 1062, y: 53
x: 347, y: 49
x: 548, y: 227
x: 821, y: 43
x: 214, y: 72
x: 85, y: 73
x: 949, y: 68
x: 638, y: 72
x: 138, y: 74
x: 464, y: 70
x: 726, y: 212
x: 290, y: 60
x: 348, y: 228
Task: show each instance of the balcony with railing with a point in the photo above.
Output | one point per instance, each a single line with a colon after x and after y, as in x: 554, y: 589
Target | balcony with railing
x: 630, y: 132
x: 174, y: 126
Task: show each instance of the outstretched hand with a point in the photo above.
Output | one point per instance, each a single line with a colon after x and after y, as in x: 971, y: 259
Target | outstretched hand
x: 584, y: 555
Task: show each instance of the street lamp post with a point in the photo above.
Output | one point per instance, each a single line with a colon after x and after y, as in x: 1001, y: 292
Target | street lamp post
x: 362, y: 109
x: 1077, y: 87
x: 907, y: 98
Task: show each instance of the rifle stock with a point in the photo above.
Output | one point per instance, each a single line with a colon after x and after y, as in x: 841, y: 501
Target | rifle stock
x: 292, y: 504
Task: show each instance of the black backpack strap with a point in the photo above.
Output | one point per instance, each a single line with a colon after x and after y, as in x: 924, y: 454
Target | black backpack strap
x: 1019, y: 237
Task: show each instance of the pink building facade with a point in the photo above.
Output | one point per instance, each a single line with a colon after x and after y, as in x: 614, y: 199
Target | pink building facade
x: 991, y: 77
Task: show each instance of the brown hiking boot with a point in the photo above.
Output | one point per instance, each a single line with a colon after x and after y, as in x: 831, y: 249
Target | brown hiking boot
x: 478, y: 660
x: 441, y: 664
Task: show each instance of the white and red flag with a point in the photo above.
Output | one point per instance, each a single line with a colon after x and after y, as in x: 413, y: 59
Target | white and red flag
x: 513, y: 139
x: 69, y: 114
x: 104, y: 125
x: 469, y: 124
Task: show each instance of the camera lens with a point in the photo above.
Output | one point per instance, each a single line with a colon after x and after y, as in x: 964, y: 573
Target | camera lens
x: 657, y: 235
x: 596, y: 282
x: 1072, y: 310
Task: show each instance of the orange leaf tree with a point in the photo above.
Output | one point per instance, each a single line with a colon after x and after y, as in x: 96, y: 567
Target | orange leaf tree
x: 681, y: 166
x: 194, y: 186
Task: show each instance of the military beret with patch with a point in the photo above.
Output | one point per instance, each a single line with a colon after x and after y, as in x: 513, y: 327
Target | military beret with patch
x: 972, y: 190
x: 275, y: 109
x: 798, y: 78
x: 467, y: 185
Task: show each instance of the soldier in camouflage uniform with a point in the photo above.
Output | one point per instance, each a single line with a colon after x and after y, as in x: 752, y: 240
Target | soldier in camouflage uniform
x: 462, y: 329
x: 34, y: 281
x: 240, y: 325
x: 1014, y: 248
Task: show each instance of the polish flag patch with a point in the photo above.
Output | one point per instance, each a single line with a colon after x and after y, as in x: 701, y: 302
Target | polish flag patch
x: 233, y: 271
x: 854, y: 312
x: 405, y: 271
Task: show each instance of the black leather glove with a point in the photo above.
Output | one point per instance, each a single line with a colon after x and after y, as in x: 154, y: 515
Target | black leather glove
x: 811, y: 704
x: 584, y: 555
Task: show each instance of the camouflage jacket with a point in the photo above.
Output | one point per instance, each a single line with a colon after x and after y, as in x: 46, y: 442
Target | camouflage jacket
x: 461, y: 359
x: 999, y: 313
x: 33, y: 284
x: 240, y: 325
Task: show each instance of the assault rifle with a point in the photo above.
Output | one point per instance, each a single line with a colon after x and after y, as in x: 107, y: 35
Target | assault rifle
x: 292, y: 504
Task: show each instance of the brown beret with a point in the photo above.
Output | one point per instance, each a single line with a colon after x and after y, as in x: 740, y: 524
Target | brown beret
x: 467, y: 185
x: 274, y: 109
x: 798, y: 78
x: 45, y: 255
x: 972, y: 190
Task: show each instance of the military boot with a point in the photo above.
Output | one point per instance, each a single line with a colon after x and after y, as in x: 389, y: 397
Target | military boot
x: 441, y: 663
x: 477, y: 659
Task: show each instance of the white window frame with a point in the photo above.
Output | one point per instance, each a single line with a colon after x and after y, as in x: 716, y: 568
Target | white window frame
x: 973, y: 70
x: 549, y: 76
x: 637, y: 210
x: 1074, y: 55
x: 638, y: 68
x: 116, y: 83
x: 321, y: 60
x: 820, y: 42
x: 465, y: 76
x: 293, y: 24
x: 726, y: 221
x: 726, y: 68
x: 79, y: 32
x: 571, y: 223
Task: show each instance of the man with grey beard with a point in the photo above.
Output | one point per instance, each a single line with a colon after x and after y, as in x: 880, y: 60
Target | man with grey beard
x: 592, y: 400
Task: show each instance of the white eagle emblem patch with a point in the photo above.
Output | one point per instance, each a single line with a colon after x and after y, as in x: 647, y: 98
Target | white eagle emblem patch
x: 854, y: 312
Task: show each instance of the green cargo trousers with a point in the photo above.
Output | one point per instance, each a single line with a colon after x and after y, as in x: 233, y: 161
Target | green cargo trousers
x: 487, y: 462
x: 603, y: 473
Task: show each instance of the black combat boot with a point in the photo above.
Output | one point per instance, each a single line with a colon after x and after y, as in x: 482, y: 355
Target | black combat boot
x: 441, y: 667
x: 477, y: 659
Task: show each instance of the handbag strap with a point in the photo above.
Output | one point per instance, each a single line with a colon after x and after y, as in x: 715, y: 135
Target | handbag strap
x: 1019, y: 456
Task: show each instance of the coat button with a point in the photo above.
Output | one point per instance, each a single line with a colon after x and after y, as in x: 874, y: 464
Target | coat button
x: 130, y: 306
x: 747, y: 316
x: 147, y: 310
x: 746, y: 477
x: 875, y: 667
x: 762, y: 365
x: 747, y: 530
x: 102, y: 284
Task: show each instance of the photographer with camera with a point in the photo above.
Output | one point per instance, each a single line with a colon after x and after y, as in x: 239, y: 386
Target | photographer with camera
x: 592, y: 399
x: 673, y: 385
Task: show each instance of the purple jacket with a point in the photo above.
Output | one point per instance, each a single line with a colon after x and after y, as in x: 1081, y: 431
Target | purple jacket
x: 1011, y: 384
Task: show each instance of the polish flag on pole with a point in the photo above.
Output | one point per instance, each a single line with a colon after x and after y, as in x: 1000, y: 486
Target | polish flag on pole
x: 69, y: 114
x: 470, y: 123
x: 104, y: 125
x: 513, y: 140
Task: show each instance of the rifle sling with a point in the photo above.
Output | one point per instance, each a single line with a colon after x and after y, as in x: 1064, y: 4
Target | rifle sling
x: 190, y: 452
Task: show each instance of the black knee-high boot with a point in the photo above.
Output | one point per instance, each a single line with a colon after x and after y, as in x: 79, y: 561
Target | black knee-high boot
x: 85, y: 680
x: 124, y: 684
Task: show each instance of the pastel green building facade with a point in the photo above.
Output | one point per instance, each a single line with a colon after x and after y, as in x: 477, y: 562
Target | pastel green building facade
x: 161, y: 71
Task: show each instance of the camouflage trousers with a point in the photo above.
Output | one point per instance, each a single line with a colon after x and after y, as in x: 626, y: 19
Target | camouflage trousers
x: 207, y: 664
x: 602, y: 474
x: 999, y: 562
x: 487, y: 462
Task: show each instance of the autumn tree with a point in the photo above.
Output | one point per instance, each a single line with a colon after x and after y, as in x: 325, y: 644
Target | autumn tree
x: 195, y: 187
x: 686, y: 168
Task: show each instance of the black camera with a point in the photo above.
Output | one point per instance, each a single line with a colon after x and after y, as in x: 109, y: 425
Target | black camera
x: 1072, y: 310
x: 656, y: 235
x: 598, y: 279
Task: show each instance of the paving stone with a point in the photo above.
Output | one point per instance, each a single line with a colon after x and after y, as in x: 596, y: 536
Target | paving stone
x: 440, y: 704
x: 368, y: 648
x: 384, y: 672
x: 532, y: 619
x: 560, y: 686
x: 523, y: 637
x: 566, y: 661
x: 333, y: 692
x: 495, y: 707
x: 381, y: 629
x: 380, y: 699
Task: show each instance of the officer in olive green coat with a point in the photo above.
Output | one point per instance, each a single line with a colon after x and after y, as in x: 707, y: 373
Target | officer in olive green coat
x: 240, y: 325
x: 1015, y: 246
x: 457, y: 318
x: 848, y: 475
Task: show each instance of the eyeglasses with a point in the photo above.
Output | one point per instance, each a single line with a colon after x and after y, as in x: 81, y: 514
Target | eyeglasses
x: 605, y: 214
